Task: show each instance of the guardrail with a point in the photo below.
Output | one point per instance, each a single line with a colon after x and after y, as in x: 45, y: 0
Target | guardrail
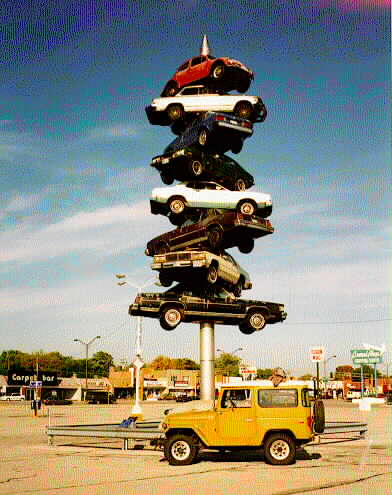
x: 336, y: 427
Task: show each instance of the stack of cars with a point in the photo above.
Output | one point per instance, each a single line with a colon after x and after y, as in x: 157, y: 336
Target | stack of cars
x: 211, y: 207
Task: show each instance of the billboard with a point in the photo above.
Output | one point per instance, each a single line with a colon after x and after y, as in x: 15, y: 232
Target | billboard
x: 25, y: 377
x: 317, y: 354
x: 366, y: 356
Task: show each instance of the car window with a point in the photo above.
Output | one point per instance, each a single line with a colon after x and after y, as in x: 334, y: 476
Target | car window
x: 190, y: 91
x: 306, y: 397
x: 236, y: 398
x: 278, y: 398
x: 183, y: 66
x: 196, y: 61
x: 210, y: 57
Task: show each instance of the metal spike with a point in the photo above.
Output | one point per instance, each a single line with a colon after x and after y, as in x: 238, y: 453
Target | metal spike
x: 205, y: 47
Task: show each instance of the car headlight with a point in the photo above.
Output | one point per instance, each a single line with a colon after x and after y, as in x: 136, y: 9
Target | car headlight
x: 199, y: 256
x: 179, y: 153
x: 159, y: 259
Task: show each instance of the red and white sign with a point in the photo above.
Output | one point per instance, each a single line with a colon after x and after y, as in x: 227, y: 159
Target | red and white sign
x: 248, y: 370
x: 317, y: 354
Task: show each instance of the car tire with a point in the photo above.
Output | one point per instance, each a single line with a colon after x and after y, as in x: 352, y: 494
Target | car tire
x: 244, y: 110
x: 176, y: 220
x: 247, y: 207
x: 162, y: 248
x: 280, y: 449
x: 197, y: 168
x: 212, y: 274
x: 255, y: 319
x: 166, y: 178
x: 176, y: 205
x: 246, y: 330
x: 239, y: 185
x: 171, y: 89
x: 266, y: 212
x: 202, y: 138
x: 319, y: 416
x: 238, y: 288
x: 243, y: 86
x: 175, y: 112
x: 180, y: 450
x: 215, y: 237
x: 218, y: 71
x: 236, y: 147
x: 246, y: 245
x: 165, y: 280
x: 170, y: 317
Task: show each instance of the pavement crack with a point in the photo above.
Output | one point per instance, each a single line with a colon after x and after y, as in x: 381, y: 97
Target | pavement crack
x: 17, y: 478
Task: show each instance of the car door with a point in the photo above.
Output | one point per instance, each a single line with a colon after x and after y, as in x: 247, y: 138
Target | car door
x: 236, y: 419
x: 225, y: 307
x: 193, y: 305
x: 189, y: 234
x: 197, y: 69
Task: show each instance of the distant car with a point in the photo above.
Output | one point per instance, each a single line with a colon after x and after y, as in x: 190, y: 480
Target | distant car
x: 215, y: 230
x: 13, y: 396
x: 99, y: 397
x: 184, y: 304
x: 215, y: 133
x: 196, y: 99
x: 228, y: 73
x: 179, y: 199
x: 183, y: 398
x: 57, y: 402
x: 192, y: 163
x: 202, y: 266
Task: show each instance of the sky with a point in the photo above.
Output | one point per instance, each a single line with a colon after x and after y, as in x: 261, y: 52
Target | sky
x: 75, y: 174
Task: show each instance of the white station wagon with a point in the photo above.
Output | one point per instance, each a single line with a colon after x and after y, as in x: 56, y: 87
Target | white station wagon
x: 196, y: 99
x: 175, y: 200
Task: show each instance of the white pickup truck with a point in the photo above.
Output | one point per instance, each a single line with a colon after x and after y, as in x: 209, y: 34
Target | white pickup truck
x: 13, y: 396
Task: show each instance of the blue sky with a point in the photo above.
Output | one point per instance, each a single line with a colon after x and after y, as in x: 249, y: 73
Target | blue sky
x: 75, y: 149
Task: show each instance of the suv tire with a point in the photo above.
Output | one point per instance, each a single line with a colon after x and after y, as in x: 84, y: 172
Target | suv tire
x: 319, y: 416
x: 279, y: 449
x: 180, y: 450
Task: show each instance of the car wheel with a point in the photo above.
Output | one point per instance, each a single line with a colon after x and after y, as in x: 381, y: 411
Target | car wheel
x: 246, y: 207
x: 243, y: 86
x: 319, y: 416
x: 266, y: 212
x: 244, y: 110
x: 239, y: 185
x: 180, y: 450
x: 255, y: 320
x: 212, y: 274
x: 176, y: 220
x: 166, y: 178
x: 177, y: 205
x: 170, y: 317
x: 215, y: 237
x: 238, y: 288
x: 197, y: 168
x: 246, y: 330
x: 165, y: 280
x: 279, y: 449
x: 246, y: 245
x: 203, y: 137
x: 171, y: 89
x: 218, y: 71
x: 175, y: 112
x: 236, y: 147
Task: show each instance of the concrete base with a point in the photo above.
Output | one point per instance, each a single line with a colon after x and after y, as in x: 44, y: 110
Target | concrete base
x: 365, y: 404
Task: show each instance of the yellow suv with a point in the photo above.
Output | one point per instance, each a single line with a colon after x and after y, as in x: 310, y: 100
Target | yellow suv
x: 276, y: 420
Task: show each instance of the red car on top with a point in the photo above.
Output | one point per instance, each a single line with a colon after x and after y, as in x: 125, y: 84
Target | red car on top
x: 220, y: 73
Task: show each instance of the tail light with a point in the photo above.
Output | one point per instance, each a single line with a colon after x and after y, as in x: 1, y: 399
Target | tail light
x: 138, y: 299
x: 247, y: 124
x: 310, y: 421
x: 220, y: 117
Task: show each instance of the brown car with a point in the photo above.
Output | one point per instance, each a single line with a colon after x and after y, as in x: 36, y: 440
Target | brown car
x: 215, y: 231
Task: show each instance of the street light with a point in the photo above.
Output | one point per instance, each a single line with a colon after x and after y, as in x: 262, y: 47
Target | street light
x: 86, y: 344
x: 138, y: 362
x: 325, y: 364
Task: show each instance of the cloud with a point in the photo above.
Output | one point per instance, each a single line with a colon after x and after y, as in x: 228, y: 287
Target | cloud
x: 113, y: 132
x: 104, y: 231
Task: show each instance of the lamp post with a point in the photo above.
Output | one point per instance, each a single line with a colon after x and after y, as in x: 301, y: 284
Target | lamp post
x: 86, y: 344
x: 325, y: 364
x: 138, y: 362
x: 232, y: 353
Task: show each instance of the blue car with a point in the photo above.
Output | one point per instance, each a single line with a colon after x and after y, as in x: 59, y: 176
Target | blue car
x: 214, y: 132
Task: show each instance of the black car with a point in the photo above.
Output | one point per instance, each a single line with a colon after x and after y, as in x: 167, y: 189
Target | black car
x: 190, y: 163
x: 183, y: 398
x: 195, y: 304
x: 57, y: 402
x: 215, y: 132
x: 214, y: 230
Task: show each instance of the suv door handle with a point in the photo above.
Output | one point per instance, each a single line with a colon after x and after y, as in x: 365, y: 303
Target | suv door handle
x: 249, y: 420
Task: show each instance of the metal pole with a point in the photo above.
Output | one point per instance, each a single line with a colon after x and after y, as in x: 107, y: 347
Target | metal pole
x: 86, y: 382
x: 138, y: 365
x: 362, y: 381
x: 318, y: 378
x: 375, y: 379
x: 207, y: 361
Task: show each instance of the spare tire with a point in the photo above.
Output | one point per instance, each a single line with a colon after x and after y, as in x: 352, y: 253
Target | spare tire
x: 319, y: 416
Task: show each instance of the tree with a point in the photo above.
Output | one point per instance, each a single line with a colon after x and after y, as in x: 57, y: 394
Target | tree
x: 161, y: 363
x: 264, y: 373
x: 100, y: 363
x: 185, y: 364
x: 228, y: 363
x: 306, y: 377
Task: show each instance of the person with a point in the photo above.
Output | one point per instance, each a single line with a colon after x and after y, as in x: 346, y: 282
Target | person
x: 278, y: 376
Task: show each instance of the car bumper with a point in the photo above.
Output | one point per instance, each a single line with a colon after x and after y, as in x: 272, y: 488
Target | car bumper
x: 158, y: 208
x: 155, y: 117
x: 228, y: 125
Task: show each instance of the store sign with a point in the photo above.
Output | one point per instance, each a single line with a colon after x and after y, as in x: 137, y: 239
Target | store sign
x: 25, y: 377
x: 154, y: 383
x: 366, y: 356
x: 248, y: 370
x: 317, y: 354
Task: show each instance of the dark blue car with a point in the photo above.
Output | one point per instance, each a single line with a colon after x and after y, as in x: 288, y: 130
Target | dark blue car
x: 215, y: 132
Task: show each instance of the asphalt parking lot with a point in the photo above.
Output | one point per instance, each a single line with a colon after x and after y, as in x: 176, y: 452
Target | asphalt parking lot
x: 98, y: 466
